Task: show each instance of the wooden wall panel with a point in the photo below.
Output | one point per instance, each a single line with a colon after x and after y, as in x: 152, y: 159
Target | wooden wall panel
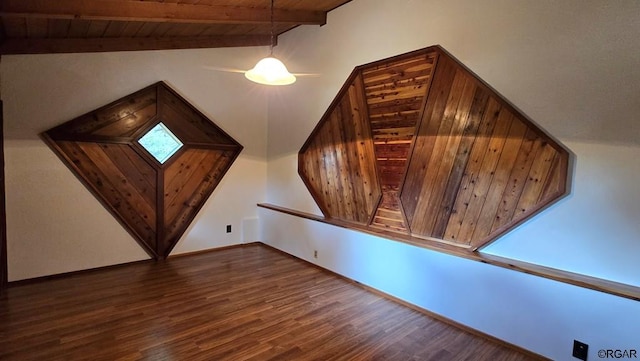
x: 469, y: 203
x: 457, y: 165
x: 187, y: 189
x: 154, y: 202
x: 189, y: 124
x: 338, y: 163
x: 469, y: 179
x: 120, y: 119
x: 445, y: 73
x: 91, y: 161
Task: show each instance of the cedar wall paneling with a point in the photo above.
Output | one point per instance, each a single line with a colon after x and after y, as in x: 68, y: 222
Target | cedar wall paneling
x: 155, y: 202
x: 451, y: 161
x: 339, y: 165
x: 395, y: 94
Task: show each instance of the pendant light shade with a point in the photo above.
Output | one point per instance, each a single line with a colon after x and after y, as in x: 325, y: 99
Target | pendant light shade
x: 270, y: 71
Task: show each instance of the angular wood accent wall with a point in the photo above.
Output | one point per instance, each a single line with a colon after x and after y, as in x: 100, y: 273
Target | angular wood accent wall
x: 443, y: 157
x: 155, y: 202
x: 349, y: 188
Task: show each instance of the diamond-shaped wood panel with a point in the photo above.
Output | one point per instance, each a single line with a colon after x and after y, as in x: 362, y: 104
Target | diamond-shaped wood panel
x: 451, y: 162
x: 154, y: 201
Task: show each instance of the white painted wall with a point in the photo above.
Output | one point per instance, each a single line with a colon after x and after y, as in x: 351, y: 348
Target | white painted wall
x: 54, y: 224
x: 574, y: 68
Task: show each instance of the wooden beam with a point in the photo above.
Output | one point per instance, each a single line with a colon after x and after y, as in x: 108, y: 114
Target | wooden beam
x: 3, y: 34
x: 152, y: 11
x: 92, y: 45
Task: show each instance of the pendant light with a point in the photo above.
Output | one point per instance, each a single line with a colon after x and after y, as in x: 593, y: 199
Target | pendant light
x: 270, y: 71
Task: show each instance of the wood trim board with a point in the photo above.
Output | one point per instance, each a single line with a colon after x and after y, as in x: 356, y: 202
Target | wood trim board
x: 580, y: 280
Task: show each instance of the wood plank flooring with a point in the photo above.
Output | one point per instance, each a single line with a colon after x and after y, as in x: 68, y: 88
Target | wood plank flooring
x: 242, y: 303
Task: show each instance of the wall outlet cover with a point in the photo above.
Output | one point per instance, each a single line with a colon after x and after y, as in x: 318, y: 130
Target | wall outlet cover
x: 580, y: 350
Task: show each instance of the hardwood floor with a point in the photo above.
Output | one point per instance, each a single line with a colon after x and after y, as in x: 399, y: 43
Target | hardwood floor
x: 243, y: 303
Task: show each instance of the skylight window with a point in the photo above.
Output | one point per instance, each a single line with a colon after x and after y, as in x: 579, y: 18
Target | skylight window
x: 160, y: 143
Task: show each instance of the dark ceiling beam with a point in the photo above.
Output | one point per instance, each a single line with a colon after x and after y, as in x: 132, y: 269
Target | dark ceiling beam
x: 152, y: 11
x: 3, y: 34
x: 44, y: 46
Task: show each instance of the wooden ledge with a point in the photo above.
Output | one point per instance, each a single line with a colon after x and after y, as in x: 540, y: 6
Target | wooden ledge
x: 576, y: 279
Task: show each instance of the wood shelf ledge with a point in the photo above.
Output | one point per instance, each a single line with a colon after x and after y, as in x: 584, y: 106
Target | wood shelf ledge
x: 576, y: 279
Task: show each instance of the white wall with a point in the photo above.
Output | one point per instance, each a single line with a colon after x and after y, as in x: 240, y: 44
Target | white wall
x: 573, y: 67
x: 596, y: 229
x: 538, y: 314
x: 54, y: 224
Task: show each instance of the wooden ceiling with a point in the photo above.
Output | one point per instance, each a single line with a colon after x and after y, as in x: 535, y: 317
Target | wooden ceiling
x: 75, y: 26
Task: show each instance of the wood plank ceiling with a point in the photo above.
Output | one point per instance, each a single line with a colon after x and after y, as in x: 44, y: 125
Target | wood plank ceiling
x: 72, y: 26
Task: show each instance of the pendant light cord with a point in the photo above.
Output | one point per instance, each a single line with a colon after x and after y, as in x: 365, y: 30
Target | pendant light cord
x: 272, y: 31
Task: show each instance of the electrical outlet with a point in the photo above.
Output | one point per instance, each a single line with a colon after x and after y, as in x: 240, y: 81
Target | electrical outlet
x: 580, y: 350
x: 315, y: 254
x: 228, y: 228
